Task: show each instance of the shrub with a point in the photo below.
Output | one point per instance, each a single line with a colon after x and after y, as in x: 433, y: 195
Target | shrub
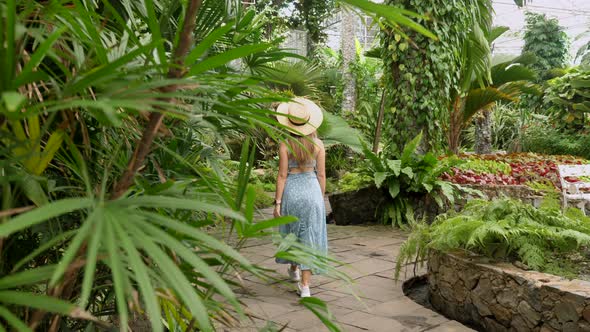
x: 353, y: 181
x: 568, y: 98
x: 411, y: 174
x: 504, y: 229
x: 262, y: 199
x: 340, y: 159
x: 482, y: 166
x: 549, y: 140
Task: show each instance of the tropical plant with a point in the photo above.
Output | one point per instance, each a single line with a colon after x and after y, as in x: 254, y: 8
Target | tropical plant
x: 354, y: 181
x: 483, y: 85
x: 480, y: 166
x: 568, y: 98
x: 113, y: 116
x: 550, y: 140
x: 409, y: 176
x: 420, y: 73
x: 503, y: 229
x: 547, y: 40
x: 367, y: 74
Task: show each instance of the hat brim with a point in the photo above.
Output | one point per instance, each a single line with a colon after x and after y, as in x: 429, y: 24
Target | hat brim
x: 315, y: 117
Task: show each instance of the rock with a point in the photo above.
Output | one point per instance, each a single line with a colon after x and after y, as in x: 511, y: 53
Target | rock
x: 447, y: 291
x: 583, y: 326
x: 460, y: 291
x: 521, y: 266
x: 586, y: 314
x: 566, y: 312
x: 554, y: 323
x: 547, y: 328
x: 484, y: 289
x: 493, y: 326
x: 448, y: 274
x: 570, y: 327
x: 529, y: 314
x: 469, y: 278
x: 436, y: 300
x: 480, y: 305
x: 508, y: 297
x: 433, y: 263
x: 356, y: 207
x: 502, y: 315
x: 533, y: 297
x: 519, y: 324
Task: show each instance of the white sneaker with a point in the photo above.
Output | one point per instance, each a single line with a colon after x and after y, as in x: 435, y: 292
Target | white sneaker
x: 303, y: 290
x: 294, y: 275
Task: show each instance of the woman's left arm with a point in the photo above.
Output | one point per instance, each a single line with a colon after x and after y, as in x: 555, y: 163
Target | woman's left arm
x: 321, y: 165
x: 281, y: 177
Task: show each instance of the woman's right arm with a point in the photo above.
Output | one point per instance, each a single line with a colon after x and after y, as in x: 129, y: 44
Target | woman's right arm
x: 281, y: 177
x: 321, y: 165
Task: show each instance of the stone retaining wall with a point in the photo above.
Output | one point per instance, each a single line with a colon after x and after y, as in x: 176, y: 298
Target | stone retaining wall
x: 502, y: 297
x: 523, y: 193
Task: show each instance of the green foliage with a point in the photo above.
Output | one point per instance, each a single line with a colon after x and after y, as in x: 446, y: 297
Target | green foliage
x: 411, y: 175
x: 302, y: 78
x: 568, y: 98
x: 506, y: 122
x: 504, y: 229
x: 545, y: 39
x: 353, y: 181
x: 421, y: 74
x: 545, y: 139
x: 86, y: 92
x: 367, y: 73
x: 340, y: 159
x: 481, y: 166
x: 263, y: 199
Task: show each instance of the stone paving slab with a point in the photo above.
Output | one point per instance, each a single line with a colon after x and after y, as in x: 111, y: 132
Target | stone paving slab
x: 368, y: 254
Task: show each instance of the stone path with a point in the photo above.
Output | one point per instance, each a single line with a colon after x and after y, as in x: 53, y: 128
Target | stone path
x: 369, y: 254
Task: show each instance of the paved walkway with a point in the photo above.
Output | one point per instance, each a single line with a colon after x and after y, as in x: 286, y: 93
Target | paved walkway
x: 369, y: 254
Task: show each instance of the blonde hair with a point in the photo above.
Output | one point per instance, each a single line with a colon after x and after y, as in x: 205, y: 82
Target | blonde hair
x: 303, y: 148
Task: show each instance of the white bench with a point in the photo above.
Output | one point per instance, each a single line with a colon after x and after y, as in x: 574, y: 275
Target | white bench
x: 572, y: 190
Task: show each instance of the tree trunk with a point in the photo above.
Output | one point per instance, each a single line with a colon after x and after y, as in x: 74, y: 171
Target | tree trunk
x: 347, y: 37
x: 455, y: 125
x: 483, y: 132
x: 379, y: 123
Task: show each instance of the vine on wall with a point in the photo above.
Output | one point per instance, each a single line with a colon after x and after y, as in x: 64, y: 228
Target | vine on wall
x: 421, y: 74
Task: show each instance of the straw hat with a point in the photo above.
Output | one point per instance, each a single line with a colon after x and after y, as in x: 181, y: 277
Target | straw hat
x: 302, y: 116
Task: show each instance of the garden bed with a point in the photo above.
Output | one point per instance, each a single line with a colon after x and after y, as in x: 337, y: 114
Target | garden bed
x: 502, y: 297
x: 535, y: 171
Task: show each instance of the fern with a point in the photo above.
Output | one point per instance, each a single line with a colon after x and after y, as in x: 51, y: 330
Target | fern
x: 505, y: 229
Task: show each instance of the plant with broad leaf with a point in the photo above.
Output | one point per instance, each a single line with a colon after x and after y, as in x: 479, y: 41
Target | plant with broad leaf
x: 408, y: 176
x: 568, y: 98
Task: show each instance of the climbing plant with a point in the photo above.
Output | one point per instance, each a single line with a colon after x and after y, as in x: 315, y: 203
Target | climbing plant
x: 308, y: 15
x: 422, y: 74
x: 545, y: 38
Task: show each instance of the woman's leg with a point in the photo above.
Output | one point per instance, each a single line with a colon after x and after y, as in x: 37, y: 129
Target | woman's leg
x: 305, y: 277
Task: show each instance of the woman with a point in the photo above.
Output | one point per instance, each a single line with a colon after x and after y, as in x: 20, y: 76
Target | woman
x: 301, y: 184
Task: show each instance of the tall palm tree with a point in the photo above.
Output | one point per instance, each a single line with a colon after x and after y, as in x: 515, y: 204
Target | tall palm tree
x: 483, y: 85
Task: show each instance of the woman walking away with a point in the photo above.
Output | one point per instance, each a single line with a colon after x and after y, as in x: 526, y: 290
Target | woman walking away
x: 301, y: 184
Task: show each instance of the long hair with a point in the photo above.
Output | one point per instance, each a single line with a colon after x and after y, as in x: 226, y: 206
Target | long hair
x: 303, y: 147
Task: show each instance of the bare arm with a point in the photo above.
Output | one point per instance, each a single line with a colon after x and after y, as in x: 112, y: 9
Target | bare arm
x: 282, y: 176
x: 321, y: 165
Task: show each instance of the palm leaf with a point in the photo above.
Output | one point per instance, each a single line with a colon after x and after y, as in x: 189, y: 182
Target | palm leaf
x: 479, y: 99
